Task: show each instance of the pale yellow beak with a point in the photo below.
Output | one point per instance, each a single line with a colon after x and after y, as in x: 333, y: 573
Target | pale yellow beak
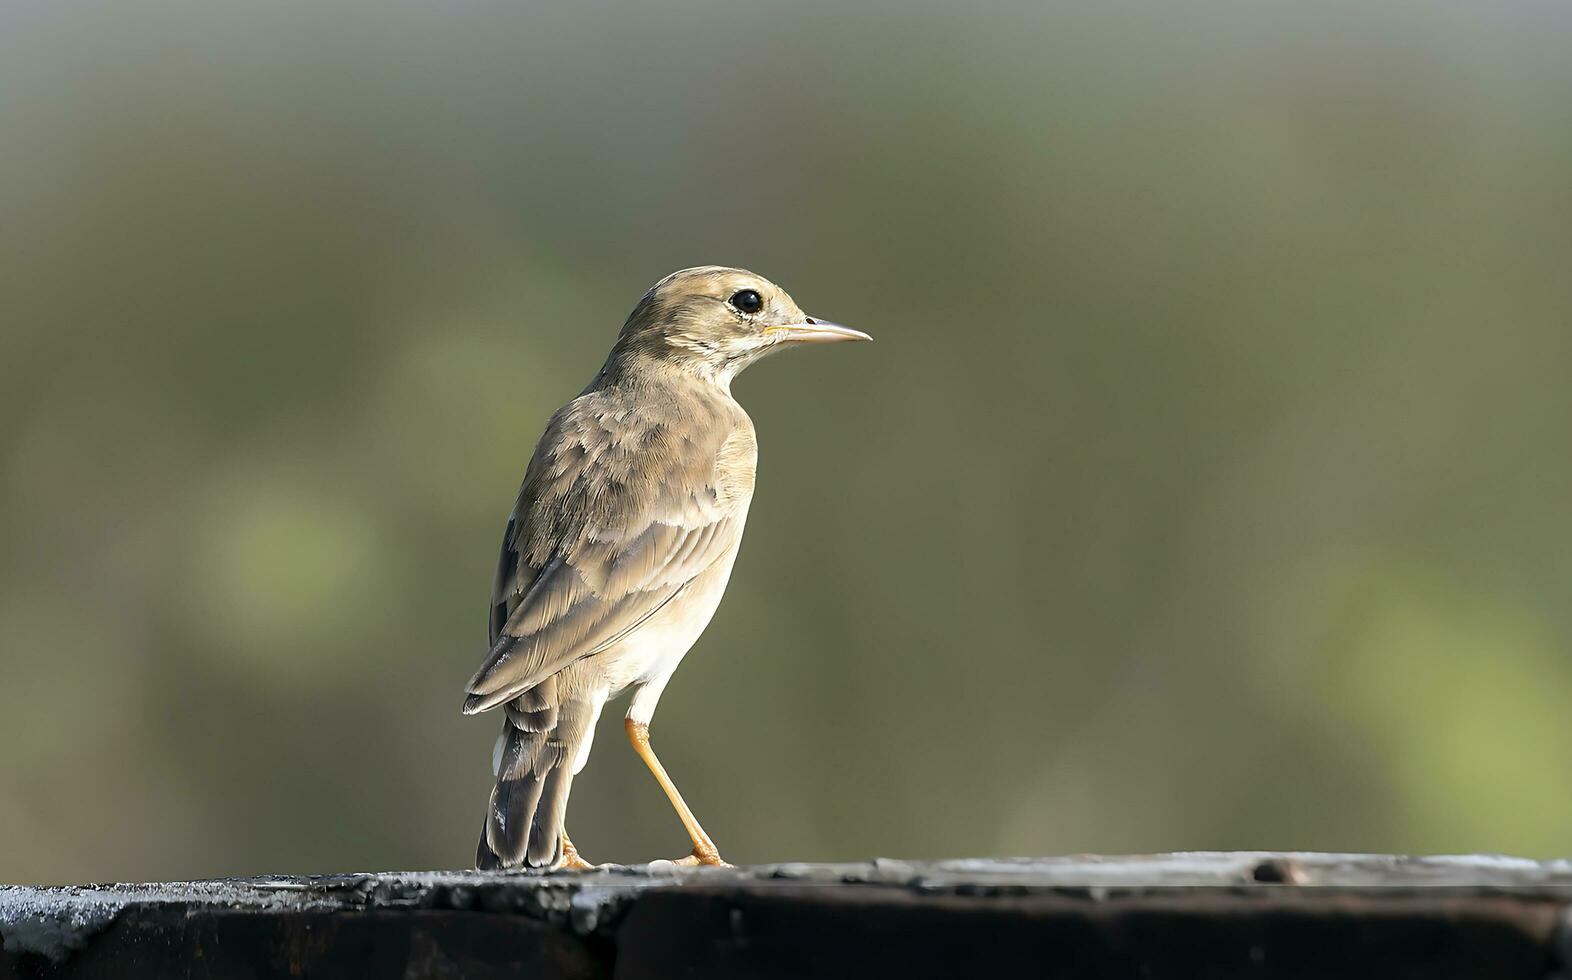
x: 812, y: 331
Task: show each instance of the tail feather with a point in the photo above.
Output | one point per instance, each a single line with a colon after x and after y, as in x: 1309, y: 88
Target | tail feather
x: 545, y: 834
x: 515, y: 797
x: 524, y: 822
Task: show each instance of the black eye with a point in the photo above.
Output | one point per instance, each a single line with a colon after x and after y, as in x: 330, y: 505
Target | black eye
x: 748, y: 301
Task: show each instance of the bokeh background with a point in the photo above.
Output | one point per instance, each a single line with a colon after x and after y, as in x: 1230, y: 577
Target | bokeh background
x: 1208, y: 485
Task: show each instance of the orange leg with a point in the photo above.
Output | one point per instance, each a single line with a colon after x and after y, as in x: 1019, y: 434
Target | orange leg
x: 704, y: 851
x: 570, y: 856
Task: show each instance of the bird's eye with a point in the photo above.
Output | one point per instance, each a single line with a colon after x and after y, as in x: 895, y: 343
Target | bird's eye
x: 748, y: 301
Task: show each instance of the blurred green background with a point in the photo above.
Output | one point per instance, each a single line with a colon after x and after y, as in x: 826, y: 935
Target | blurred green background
x: 1208, y: 485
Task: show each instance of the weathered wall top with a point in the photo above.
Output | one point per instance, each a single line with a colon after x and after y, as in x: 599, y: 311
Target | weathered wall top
x: 1224, y: 914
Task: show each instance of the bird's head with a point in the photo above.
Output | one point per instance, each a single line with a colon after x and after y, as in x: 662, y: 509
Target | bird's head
x: 715, y: 321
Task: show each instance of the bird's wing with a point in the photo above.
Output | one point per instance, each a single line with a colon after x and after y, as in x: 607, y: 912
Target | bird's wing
x: 513, y: 579
x: 607, y: 530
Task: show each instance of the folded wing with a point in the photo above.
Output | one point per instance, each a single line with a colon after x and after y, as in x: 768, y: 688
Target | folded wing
x: 619, y: 511
x: 585, y: 600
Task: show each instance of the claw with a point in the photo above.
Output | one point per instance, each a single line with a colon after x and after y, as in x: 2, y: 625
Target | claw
x: 571, y: 861
x: 707, y: 856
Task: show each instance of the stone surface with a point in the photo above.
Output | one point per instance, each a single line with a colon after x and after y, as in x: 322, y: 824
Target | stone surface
x: 1175, y: 915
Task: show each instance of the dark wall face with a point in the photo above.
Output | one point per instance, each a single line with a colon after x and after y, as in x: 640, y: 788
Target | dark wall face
x: 1206, y: 485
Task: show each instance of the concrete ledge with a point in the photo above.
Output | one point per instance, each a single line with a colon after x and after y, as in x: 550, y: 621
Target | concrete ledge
x: 1176, y: 915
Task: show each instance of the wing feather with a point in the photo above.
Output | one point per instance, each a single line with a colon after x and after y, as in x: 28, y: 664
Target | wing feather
x: 619, y: 511
x: 563, y: 617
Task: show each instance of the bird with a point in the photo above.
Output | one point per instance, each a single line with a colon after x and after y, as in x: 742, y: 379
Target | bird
x: 619, y: 547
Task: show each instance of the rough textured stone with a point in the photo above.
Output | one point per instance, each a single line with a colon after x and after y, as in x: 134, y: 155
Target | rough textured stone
x: 1175, y: 915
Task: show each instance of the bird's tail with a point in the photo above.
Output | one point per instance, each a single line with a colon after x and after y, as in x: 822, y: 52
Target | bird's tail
x: 538, y: 754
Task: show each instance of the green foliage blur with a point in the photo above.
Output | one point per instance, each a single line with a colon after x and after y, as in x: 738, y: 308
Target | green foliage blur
x: 1208, y: 484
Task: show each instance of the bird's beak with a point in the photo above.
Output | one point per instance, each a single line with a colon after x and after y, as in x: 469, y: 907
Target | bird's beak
x: 811, y: 331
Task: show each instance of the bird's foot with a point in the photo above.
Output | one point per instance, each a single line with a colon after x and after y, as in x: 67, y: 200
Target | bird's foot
x: 704, y: 855
x: 572, y: 860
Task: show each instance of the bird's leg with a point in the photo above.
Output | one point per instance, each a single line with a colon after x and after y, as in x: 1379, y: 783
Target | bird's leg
x: 570, y: 856
x: 704, y: 851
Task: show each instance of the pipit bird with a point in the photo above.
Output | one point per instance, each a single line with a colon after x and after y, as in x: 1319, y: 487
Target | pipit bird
x: 620, y: 545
